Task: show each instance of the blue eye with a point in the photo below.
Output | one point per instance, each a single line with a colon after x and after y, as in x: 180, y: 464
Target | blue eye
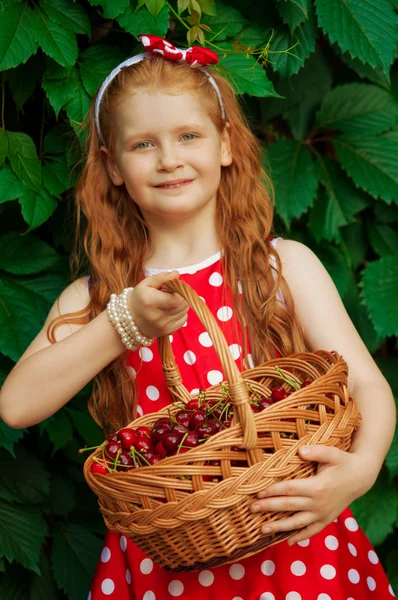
x: 141, y: 146
x: 191, y: 136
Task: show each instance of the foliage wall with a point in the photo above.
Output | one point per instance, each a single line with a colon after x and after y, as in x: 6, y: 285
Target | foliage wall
x: 320, y: 87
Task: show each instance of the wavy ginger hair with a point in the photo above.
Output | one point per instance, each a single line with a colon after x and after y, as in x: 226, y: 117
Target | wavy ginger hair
x: 112, y: 234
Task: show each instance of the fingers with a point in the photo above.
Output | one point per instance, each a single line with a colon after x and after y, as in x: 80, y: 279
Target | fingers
x: 305, y: 533
x: 297, y: 521
x: 282, y: 504
x: 293, y: 487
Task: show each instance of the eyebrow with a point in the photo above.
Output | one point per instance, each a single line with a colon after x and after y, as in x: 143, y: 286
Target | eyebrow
x: 145, y: 134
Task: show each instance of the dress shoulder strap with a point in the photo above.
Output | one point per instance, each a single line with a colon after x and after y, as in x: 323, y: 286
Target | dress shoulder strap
x: 274, y: 242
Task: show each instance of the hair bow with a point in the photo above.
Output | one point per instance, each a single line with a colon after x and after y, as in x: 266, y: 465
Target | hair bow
x: 193, y: 55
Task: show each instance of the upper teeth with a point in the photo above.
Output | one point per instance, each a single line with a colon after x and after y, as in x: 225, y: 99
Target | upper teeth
x: 172, y: 185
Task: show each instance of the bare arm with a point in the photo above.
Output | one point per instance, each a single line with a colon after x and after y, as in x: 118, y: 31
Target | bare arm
x: 327, y: 326
x: 48, y: 375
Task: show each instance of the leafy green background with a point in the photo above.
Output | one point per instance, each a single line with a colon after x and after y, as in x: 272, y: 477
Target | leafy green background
x: 319, y: 84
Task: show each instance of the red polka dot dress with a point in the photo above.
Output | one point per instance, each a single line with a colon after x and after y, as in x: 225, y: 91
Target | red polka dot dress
x: 338, y: 563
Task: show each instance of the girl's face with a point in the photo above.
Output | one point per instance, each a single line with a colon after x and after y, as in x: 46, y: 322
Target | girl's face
x: 168, y: 153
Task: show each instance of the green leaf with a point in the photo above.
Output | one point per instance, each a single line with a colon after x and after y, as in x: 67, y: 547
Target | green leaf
x: 111, y: 8
x: 288, y: 63
x: 10, y: 186
x: 75, y: 555
x: 62, y: 496
x: 154, y: 6
x: 135, y: 22
x: 3, y: 146
x: 23, y: 159
x: 246, y: 76
x: 371, y: 162
x: 86, y: 426
x: 386, y: 213
x: 379, y: 293
x: 43, y: 587
x: 56, y: 41
x: 21, y: 255
x: 294, y: 179
x: 228, y: 22
x: 355, y: 239
x: 22, y: 314
x: 376, y: 511
x: 23, y: 480
x: 37, y: 207
x: 78, y: 107
x: 384, y: 239
x: 56, y: 175
x: 96, y: 63
x: 208, y: 7
x: 293, y: 12
x: 359, y: 29
x: 392, y: 457
x: 358, y: 108
x: 364, y: 70
x: 338, y: 206
x: 22, y: 533
x: 59, y: 429
x: 47, y: 286
x: 9, y: 437
x: 16, y: 41
x: 69, y: 14
x: 60, y: 91
x: 58, y: 140
x: 22, y: 80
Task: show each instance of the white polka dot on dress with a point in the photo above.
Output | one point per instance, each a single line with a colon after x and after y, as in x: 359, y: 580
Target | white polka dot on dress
x: 128, y: 576
x: 235, y: 351
x: 328, y: 572
x: 324, y: 597
x: 123, y: 543
x: 374, y: 559
x: 171, y: 338
x: 194, y: 391
x: 146, y: 354
x: 351, y: 524
x: 304, y: 543
x: 237, y: 571
x: 107, y: 587
x: 331, y: 542
x: 176, y: 588
x: 268, y: 567
x: 146, y: 566
x: 152, y: 392
x: 371, y: 583
x: 204, y: 340
x: 224, y: 313
x: 391, y: 591
x: 149, y: 595
x: 293, y: 596
x: 352, y: 549
x: 215, y: 279
x: 206, y: 578
x: 298, y: 567
x: 139, y: 410
x: 105, y: 554
x: 214, y: 377
x: 267, y: 596
x: 189, y: 357
x: 353, y: 576
x: 89, y: 596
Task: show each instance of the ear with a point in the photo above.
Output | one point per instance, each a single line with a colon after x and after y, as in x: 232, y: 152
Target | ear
x: 226, y: 152
x: 111, y: 167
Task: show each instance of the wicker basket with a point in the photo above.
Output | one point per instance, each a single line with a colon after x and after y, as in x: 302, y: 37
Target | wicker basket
x: 185, y: 523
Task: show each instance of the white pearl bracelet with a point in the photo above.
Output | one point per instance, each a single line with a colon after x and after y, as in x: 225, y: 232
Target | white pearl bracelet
x: 120, y: 317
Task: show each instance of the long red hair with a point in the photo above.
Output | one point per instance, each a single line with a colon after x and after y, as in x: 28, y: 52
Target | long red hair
x: 112, y: 236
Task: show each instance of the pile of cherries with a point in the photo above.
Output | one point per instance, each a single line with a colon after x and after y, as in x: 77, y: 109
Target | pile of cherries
x: 199, y: 419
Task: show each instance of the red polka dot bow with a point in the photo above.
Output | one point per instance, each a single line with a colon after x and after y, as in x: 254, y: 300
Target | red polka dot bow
x: 193, y: 55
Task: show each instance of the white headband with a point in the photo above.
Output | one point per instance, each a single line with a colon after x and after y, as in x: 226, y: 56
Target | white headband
x: 136, y: 59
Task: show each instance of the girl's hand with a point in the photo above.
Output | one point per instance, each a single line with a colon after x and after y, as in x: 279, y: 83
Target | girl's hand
x: 157, y: 313
x: 316, y: 501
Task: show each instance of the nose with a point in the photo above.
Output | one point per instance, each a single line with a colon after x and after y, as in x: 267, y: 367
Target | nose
x: 169, y: 158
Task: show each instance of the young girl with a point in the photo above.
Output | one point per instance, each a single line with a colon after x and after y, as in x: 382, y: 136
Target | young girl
x: 173, y: 187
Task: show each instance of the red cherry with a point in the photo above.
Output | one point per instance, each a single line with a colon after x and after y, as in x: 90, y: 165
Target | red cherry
x: 113, y: 438
x: 113, y: 449
x: 127, y: 437
x: 278, y: 393
x: 306, y: 383
x: 330, y: 395
x: 97, y: 467
x: 197, y: 418
x: 265, y: 403
x: 192, y: 404
x: 155, y: 458
x: 143, y: 445
x: 191, y: 440
x: 160, y: 449
x: 159, y: 431
x: 143, y: 431
x: 205, y: 430
x: 126, y: 462
x: 183, y: 417
x: 179, y: 430
x: 171, y: 441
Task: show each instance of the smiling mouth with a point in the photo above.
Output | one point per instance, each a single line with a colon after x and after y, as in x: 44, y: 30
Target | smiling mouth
x: 170, y: 186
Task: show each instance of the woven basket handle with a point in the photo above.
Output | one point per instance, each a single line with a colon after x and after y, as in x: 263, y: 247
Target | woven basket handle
x: 237, y: 388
